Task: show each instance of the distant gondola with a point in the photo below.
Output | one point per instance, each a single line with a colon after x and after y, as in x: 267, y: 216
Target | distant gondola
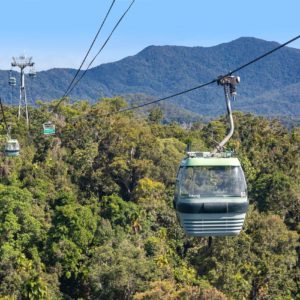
x: 48, y: 128
x: 32, y: 73
x: 12, y: 81
x: 12, y: 147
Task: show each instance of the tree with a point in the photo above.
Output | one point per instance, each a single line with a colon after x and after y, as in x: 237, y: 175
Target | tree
x: 155, y: 115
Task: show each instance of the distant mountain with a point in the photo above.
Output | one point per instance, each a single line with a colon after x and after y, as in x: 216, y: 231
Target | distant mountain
x: 269, y: 87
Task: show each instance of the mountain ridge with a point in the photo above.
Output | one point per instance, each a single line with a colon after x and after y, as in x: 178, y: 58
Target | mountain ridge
x: 158, y: 71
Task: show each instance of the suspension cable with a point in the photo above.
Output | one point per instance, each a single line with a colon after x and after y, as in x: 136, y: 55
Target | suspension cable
x: 264, y: 55
x: 3, y: 114
x: 102, y: 47
x: 209, y: 82
x: 169, y: 97
x: 90, y: 48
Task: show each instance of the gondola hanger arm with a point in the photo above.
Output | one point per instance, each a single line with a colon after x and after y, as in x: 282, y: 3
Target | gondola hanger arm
x: 229, y: 84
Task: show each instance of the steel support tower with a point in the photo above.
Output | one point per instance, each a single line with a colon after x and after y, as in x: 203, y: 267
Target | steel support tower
x: 22, y: 62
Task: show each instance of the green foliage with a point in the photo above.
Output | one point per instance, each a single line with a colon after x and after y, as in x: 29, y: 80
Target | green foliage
x: 168, y: 289
x: 155, y: 115
x: 120, y: 212
x: 87, y: 214
x: 119, y: 269
x: 275, y: 193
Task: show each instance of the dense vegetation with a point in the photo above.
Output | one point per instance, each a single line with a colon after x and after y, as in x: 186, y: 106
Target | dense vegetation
x: 87, y: 214
x: 269, y: 87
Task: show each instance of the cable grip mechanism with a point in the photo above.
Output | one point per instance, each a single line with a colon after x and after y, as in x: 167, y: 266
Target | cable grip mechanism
x: 231, y: 81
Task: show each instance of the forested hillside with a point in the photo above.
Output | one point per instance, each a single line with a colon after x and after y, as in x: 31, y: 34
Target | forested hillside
x: 270, y: 87
x: 87, y: 213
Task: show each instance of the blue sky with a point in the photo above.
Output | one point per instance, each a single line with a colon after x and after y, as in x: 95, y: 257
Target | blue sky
x: 57, y: 33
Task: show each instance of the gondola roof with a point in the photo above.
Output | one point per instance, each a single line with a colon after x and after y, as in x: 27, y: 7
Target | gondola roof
x: 194, y: 161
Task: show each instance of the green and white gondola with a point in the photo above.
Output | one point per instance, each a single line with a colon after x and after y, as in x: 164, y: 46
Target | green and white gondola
x: 48, y: 128
x: 211, y: 195
x: 211, y: 191
x: 12, y: 148
x: 12, y: 81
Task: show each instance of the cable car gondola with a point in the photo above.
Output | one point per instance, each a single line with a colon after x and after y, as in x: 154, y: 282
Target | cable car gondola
x: 211, y: 191
x: 12, y: 147
x: 12, y: 81
x: 32, y: 73
x: 48, y: 128
x: 211, y: 194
